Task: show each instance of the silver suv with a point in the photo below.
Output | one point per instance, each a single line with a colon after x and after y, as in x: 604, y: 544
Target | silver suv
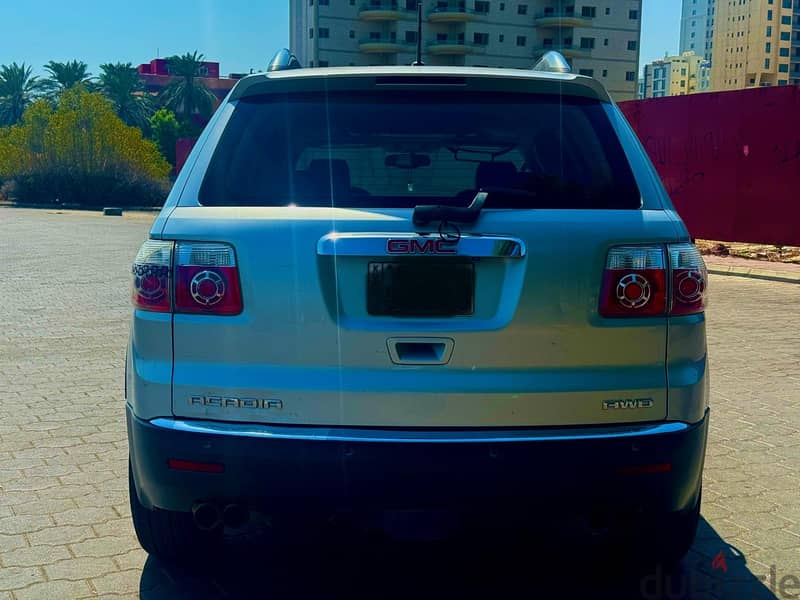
x: 383, y: 291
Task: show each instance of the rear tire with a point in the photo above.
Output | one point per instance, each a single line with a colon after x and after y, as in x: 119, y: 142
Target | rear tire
x: 168, y: 535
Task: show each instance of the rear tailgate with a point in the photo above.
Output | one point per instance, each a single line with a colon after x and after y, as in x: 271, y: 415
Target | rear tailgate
x: 313, y: 181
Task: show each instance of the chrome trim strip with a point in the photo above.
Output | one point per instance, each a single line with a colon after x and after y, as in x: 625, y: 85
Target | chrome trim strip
x: 328, y: 434
x: 374, y: 244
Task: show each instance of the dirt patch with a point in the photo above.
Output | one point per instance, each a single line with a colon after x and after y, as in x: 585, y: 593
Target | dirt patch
x: 763, y: 252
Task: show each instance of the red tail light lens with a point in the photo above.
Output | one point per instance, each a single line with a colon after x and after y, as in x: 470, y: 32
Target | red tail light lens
x: 206, y: 279
x: 689, y: 278
x: 150, y: 284
x: 634, y: 282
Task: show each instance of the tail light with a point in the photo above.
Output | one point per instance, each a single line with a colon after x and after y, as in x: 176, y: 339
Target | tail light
x: 151, y: 276
x: 689, y: 279
x: 636, y: 282
x: 206, y: 278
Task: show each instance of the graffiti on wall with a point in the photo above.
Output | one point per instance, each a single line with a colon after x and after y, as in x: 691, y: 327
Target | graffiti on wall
x: 729, y: 160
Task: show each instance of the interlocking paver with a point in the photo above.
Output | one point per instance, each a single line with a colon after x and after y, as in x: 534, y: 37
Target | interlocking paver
x: 63, y: 452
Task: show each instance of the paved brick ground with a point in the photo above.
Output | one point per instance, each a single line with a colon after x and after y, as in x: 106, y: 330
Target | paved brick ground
x: 64, y: 524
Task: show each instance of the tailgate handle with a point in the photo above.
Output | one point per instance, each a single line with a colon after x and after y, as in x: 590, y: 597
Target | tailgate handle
x: 420, y: 351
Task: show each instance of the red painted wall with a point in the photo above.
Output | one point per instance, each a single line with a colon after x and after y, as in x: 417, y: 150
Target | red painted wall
x: 729, y: 160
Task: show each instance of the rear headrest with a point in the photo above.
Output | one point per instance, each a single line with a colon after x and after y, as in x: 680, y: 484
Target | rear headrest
x: 325, y: 173
x: 495, y: 174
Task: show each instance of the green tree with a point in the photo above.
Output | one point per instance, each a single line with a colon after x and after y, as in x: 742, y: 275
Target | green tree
x: 64, y: 75
x: 165, y: 131
x: 18, y: 87
x: 186, y: 94
x: 81, y: 152
x: 120, y: 83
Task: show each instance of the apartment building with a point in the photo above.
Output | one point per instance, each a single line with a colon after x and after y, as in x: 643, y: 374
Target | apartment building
x: 697, y: 27
x: 599, y: 38
x: 676, y: 76
x: 756, y: 43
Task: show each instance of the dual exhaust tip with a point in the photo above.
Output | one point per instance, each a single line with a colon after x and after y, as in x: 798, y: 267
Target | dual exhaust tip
x: 208, y: 516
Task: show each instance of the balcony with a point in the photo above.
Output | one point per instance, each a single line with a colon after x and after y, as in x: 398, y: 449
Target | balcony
x: 454, y: 46
x: 567, y: 51
x: 385, y: 11
x: 566, y: 18
x: 453, y: 14
x: 384, y: 45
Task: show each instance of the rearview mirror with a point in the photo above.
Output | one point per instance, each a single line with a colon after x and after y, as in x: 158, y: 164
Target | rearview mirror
x: 407, y: 161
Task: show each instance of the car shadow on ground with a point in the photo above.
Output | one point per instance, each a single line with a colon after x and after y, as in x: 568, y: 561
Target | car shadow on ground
x: 380, y: 569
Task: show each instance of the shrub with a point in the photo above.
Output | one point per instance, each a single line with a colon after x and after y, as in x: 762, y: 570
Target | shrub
x: 81, y: 153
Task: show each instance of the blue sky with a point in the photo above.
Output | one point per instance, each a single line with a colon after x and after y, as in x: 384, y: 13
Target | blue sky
x: 240, y: 34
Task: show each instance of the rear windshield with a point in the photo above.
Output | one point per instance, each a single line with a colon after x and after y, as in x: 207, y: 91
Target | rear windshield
x: 404, y: 148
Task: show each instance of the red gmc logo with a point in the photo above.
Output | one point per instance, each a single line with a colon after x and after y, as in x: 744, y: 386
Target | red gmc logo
x: 430, y: 246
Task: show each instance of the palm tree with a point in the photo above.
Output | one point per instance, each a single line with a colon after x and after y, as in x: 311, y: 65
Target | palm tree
x: 186, y: 95
x: 120, y: 83
x: 64, y: 75
x: 17, y: 89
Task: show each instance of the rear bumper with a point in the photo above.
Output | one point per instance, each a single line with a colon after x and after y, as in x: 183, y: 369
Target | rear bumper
x: 276, y: 468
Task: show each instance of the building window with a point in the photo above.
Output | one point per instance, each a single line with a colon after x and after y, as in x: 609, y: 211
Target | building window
x: 605, y: 72
x: 633, y: 15
x: 324, y: 32
x: 631, y: 44
x: 547, y: 42
x: 787, y: 4
x: 521, y: 41
x: 441, y: 37
x: 630, y: 75
x: 769, y: 30
x: 782, y: 82
x: 587, y: 43
x: 352, y: 34
x: 323, y: 3
x: 323, y: 63
x: 605, y: 42
x: 766, y: 63
x: 786, y: 20
x: 589, y: 12
x: 768, y: 47
x: 480, y: 39
x: 311, y: 32
x: 502, y: 38
x: 683, y: 83
x: 785, y: 36
x: 587, y: 72
x: 411, y: 37
x: 608, y: 10
x: 502, y: 6
x: 783, y: 52
x: 693, y: 34
x: 783, y: 68
x: 375, y: 35
x: 522, y: 9
x: 769, y: 15
x: 683, y: 72
x: 481, y: 7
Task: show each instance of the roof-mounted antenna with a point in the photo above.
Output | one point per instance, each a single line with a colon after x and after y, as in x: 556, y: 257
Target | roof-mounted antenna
x: 283, y: 61
x: 418, y: 62
x: 552, y: 62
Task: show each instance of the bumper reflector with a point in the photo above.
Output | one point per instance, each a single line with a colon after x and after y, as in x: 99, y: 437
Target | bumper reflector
x: 188, y: 465
x: 644, y: 469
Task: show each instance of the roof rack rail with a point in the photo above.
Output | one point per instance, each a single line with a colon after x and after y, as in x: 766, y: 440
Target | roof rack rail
x: 283, y: 60
x: 552, y: 62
